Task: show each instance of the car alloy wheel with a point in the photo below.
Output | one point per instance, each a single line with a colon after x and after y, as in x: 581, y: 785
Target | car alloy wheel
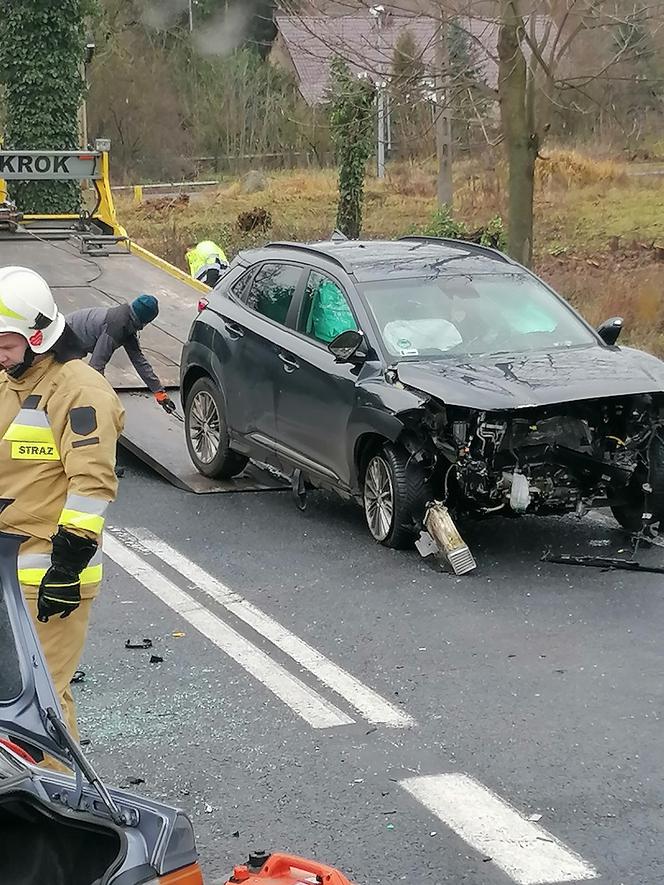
x: 379, y: 498
x: 204, y: 427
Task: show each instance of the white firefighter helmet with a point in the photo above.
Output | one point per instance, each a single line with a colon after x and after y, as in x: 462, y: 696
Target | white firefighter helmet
x: 28, y: 308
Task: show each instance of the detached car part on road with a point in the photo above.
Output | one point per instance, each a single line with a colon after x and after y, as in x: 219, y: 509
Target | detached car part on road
x: 401, y: 373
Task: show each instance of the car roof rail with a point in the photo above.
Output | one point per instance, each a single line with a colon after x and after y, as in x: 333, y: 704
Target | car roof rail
x: 311, y: 250
x: 466, y: 244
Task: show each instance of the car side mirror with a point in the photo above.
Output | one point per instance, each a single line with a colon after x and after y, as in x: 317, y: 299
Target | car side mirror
x: 349, y: 347
x: 610, y: 330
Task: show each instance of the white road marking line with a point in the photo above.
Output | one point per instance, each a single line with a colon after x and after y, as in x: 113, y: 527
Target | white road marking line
x: 308, y: 704
x: 522, y: 849
x: 367, y: 702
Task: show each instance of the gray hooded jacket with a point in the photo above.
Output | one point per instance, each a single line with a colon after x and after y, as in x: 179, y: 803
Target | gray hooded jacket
x: 102, y: 330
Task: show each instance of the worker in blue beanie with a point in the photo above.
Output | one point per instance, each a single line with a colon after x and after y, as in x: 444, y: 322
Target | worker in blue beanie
x: 102, y: 330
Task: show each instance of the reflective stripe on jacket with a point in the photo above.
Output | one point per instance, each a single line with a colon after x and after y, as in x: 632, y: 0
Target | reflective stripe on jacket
x: 59, y: 426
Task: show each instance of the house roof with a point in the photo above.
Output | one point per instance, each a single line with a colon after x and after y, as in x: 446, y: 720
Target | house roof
x: 313, y: 41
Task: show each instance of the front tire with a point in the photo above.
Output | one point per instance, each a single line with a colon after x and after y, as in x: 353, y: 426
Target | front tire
x: 630, y: 513
x: 394, y: 496
x: 206, y: 433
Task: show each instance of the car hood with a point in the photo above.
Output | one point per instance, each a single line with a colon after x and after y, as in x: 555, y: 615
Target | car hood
x: 498, y: 382
x: 26, y: 690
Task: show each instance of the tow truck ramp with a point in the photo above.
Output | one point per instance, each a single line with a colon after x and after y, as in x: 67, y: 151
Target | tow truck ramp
x: 90, y: 261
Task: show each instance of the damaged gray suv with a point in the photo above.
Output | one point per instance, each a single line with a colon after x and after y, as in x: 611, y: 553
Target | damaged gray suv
x: 398, y: 373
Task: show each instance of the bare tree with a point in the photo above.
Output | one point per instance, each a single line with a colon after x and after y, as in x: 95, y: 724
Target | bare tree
x: 535, y: 46
x: 547, y: 54
x: 440, y: 84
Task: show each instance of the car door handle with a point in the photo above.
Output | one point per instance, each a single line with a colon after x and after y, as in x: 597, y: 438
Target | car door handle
x: 233, y: 329
x: 290, y: 363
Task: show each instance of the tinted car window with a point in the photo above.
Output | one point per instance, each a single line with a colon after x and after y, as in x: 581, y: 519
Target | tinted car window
x: 326, y: 312
x: 239, y: 288
x: 272, y: 290
x: 471, y: 316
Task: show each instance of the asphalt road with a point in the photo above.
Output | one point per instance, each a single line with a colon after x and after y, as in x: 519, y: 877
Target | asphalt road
x: 322, y: 695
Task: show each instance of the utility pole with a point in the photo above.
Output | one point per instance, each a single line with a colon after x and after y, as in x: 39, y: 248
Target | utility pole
x: 83, y: 111
x: 443, y: 113
x: 380, y: 100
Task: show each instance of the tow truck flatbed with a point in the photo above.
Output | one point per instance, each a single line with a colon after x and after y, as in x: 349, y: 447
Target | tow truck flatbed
x: 91, y: 262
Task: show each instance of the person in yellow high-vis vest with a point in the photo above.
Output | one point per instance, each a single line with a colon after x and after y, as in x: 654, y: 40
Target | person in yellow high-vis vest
x: 206, y: 261
x: 59, y: 425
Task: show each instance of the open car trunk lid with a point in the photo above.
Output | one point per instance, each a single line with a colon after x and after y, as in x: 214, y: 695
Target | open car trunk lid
x: 55, y: 828
x: 26, y: 690
x: 40, y: 841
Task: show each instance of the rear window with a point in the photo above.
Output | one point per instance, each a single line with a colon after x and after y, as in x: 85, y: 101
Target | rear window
x: 272, y: 291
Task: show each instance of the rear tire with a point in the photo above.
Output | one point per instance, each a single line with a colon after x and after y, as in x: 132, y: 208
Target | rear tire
x: 206, y: 433
x: 630, y: 514
x: 394, y: 494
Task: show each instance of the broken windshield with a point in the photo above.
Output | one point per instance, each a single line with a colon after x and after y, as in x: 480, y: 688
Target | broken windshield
x: 469, y: 316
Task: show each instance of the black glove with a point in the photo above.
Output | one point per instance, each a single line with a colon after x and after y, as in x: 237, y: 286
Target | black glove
x: 60, y: 589
x: 165, y: 401
x: 59, y: 594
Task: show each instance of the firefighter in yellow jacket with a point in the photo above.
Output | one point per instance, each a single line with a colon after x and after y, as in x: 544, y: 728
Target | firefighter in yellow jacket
x: 59, y: 425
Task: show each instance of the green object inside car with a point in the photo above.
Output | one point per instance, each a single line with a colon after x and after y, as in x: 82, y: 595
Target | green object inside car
x: 330, y: 314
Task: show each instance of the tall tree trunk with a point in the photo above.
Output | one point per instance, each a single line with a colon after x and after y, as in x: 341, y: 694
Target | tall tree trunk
x: 443, y: 114
x: 517, y: 112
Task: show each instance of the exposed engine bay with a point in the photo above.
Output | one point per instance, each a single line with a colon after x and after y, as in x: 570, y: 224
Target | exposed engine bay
x: 550, y: 460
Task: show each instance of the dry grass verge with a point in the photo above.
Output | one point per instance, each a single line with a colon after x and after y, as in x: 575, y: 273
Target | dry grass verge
x: 582, y: 206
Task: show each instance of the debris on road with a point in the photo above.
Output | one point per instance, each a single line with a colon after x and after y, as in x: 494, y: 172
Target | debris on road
x: 156, y: 659
x: 606, y: 563
x: 426, y: 546
x: 178, y: 634
x: 79, y: 676
x: 142, y: 643
x: 534, y: 817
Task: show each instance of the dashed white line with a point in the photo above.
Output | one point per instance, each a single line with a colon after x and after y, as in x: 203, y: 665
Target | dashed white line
x: 526, y: 852
x: 365, y: 700
x: 308, y: 704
